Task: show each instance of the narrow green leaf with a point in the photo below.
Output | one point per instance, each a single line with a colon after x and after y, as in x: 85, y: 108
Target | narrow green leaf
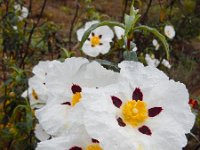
x: 93, y: 27
x: 157, y: 34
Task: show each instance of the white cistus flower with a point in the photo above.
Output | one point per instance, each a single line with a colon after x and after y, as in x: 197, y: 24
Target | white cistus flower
x: 166, y: 63
x: 151, y: 61
x: 80, y: 32
x: 98, y: 41
x: 169, y: 31
x: 147, y: 109
x: 65, y: 85
x: 23, y: 11
x: 155, y: 44
x: 119, y: 32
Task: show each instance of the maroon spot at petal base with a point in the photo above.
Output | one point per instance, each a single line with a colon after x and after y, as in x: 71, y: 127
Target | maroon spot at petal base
x: 95, y: 141
x: 145, y: 130
x: 76, y: 88
x: 75, y: 148
x: 154, y: 111
x: 137, y: 94
x: 121, y: 122
x: 116, y: 101
x: 66, y: 103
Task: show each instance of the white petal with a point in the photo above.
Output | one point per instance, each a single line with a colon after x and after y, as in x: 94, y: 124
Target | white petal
x: 119, y: 32
x: 89, y: 50
x: 106, y: 32
x: 40, y: 133
x: 80, y: 33
x: 169, y: 31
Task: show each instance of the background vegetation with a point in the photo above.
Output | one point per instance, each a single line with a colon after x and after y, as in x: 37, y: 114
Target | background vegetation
x: 49, y: 32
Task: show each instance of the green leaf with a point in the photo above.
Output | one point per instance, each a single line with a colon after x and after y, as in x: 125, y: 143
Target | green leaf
x: 130, y: 55
x: 157, y: 34
x: 94, y: 26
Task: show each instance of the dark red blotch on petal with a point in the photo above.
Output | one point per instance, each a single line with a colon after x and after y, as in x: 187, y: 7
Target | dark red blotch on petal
x: 76, y: 88
x: 145, y: 130
x: 154, y: 111
x: 75, y: 148
x: 95, y: 141
x: 66, y: 103
x: 193, y: 103
x: 137, y: 94
x: 121, y: 122
x: 116, y: 101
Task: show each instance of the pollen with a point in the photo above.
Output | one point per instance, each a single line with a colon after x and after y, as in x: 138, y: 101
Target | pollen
x: 94, y: 147
x: 34, y: 94
x: 134, y: 112
x: 95, y: 40
x: 76, y: 98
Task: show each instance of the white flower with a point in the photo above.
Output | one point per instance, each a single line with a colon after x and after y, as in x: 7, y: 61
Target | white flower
x: 156, y: 44
x: 166, y: 63
x: 169, y: 31
x: 98, y: 41
x: 65, y: 84
x: 37, y: 91
x: 151, y: 61
x: 23, y: 11
x: 80, y: 32
x: 78, y: 139
x: 148, y: 109
x: 15, y: 27
x: 40, y: 133
x: 119, y: 32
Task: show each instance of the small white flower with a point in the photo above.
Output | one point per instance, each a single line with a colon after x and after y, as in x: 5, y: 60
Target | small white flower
x: 166, y: 63
x: 40, y: 133
x: 80, y: 32
x: 119, y: 32
x: 151, y: 61
x: 15, y: 27
x: 98, y: 41
x: 156, y: 44
x: 169, y: 31
x: 23, y: 11
x: 143, y: 108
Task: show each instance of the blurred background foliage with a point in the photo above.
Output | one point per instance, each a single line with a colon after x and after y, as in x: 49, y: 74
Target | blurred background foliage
x: 49, y: 32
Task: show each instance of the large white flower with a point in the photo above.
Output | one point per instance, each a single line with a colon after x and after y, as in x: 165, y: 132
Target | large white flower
x: 78, y: 139
x: 37, y: 91
x: 148, y: 109
x: 98, y: 41
x: 151, y: 61
x: 22, y: 10
x: 169, y: 31
x: 80, y: 32
x: 65, y: 85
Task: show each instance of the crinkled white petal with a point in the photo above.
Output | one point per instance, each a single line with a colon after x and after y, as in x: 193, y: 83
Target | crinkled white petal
x: 169, y: 31
x: 119, y: 32
x: 40, y: 133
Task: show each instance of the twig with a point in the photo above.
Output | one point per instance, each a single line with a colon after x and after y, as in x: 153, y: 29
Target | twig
x: 144, y: 18
x: 32, y: 31
x: 29, y: 12
x: 124, y: 10
x: 72, y: 24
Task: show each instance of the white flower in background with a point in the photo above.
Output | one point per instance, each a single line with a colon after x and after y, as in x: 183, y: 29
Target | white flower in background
x: 98, y: 41
x: 78, y: 139
x: 65, y: 84
x: 166, y: 63
x: 37, y: 91
x: 15, y: 27
x: 151, y: 61
x: 119, y: 32
x: 80, y: 32
x: 40, y: 133
x: 169, y: 31
x: 155, y: 44
x: 145, y: 109
x: 22, y: 10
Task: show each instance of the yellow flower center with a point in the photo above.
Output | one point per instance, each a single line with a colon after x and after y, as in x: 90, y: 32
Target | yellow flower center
x: 34, y: 94
x: 134, y: 112
x: 94, y: 147
x: 95, y: 40
x: 76, y: 98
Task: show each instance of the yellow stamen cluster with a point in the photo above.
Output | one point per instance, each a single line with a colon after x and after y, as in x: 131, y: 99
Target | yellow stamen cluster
x: 76, y: 98
x: 95, y: 40
x: 94, y: 147
x: 134, y: 112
